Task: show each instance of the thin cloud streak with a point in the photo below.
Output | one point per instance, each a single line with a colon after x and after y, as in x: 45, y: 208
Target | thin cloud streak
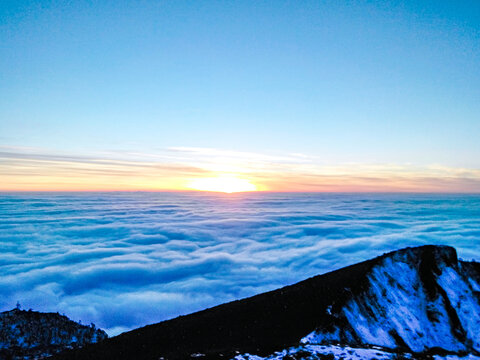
x: 174, y: 168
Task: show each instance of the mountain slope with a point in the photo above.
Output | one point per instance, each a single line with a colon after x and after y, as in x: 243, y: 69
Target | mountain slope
x: 416, y: 299
x: 31, y: 334
x: 412, y: 302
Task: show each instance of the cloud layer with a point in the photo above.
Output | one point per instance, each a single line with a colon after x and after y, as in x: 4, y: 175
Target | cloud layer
x: 124, y: 260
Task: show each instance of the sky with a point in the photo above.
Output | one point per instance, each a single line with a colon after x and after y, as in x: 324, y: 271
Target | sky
x: 282, y: 95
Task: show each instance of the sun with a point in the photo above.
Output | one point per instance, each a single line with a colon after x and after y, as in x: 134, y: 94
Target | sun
x: 222, y: 183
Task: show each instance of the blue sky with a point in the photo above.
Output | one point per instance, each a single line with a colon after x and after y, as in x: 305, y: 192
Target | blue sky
x: 368, y: 82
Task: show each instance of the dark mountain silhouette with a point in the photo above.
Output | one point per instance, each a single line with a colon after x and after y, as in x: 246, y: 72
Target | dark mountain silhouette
x: 417, y: 300
x: 35, y: 335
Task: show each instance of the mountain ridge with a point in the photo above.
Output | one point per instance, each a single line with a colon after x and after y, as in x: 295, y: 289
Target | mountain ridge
x: 313, y: 311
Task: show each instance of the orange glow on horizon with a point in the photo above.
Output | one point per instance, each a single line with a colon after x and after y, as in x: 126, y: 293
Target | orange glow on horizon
x: 222, y: 183
x: 25, y: 171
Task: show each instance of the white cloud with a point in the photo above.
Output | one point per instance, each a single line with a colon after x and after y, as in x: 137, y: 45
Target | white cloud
x: 124, y: 260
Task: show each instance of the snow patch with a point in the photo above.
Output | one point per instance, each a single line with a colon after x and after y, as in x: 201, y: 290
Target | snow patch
x: 396, y: 310
x: 336, y: 352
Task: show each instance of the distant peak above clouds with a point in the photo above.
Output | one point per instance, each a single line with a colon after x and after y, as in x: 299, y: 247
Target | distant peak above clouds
x: 35, y: 335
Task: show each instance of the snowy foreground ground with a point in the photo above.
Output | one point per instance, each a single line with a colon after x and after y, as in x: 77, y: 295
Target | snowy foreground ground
x: 331, y: 352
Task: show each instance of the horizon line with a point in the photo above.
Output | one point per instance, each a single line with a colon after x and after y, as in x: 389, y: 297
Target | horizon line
x: 242, y: 192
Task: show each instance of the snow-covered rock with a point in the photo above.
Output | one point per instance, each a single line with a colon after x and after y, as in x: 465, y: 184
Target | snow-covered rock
x: 414, y: 301
x: 336, y: 352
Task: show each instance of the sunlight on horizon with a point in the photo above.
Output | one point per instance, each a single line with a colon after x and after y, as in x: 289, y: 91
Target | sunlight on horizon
x: 222, y: 183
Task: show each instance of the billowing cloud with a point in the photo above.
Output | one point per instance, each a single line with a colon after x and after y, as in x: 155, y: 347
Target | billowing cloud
x: 123, y: 260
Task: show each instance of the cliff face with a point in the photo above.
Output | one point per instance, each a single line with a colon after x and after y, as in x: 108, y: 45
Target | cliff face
x: 31, y: 334
x: 414, y: 301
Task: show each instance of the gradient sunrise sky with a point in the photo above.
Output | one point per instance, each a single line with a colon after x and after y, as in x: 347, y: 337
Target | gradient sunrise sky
x: 282, y: 95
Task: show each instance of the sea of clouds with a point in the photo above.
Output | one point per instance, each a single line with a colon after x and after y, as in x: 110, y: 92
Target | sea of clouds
x: 124, y: 260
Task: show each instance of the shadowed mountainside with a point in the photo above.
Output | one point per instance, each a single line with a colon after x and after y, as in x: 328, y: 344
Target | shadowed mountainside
x: 416, y: 299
